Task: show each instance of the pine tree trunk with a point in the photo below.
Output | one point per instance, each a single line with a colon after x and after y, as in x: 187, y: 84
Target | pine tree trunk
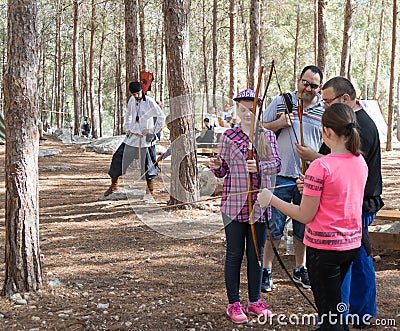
x: 246, y: 42
x: 367, y: 55
x: 254, y: 41
x: 84, y: 80
x: 184, y: 185
x: 62, y: 93
x: 315, y: 31
x: 296, y: 47
x: 75, y: 69
x: 141, y: 6
x: 118, y: 93
x: 93, y: 114
x: 378, y: 53
x: 392, y: 78
x: 162, y: 69
x: 232, y: 48
x: 119, y: 98
x: 156, y: 60
x: 100, y: 84
x: 131, y: 43
x: 322, y: 35
x: 43, y: 95
x: 121, y: 91
x: 398, y: 108
x: 263, y: 35
x: 346, y: 47
x: 215, y: 52
x: 349, y: 73
x: 3, y: 68
x: 23, y: 271
x: 118, y: 86
x: 57, y: 63
x: 205, y: 57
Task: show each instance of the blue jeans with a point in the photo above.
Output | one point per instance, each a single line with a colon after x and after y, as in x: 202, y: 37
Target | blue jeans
x: 359, y: 286
x: 238, y: 236
x: 278, y: 220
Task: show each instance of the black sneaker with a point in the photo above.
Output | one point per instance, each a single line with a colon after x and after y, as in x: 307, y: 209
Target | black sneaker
x: 266, y: 283
x: 300, y: 276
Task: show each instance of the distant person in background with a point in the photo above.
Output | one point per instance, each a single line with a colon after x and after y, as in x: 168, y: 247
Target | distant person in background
x: 206, y: 123
x: 227, y: 115
x: 212, y: 116
x: 49, y: 129
x: 207, y: 135
x: 86, y: 127
x: 141, y: 129
x: 40, y: 128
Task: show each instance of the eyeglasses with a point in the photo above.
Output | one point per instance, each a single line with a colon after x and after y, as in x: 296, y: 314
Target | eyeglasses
x: 306, y: 83
x: 329, y: 101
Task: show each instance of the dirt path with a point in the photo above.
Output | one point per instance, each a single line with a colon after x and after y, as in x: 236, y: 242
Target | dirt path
x: 117, y: 273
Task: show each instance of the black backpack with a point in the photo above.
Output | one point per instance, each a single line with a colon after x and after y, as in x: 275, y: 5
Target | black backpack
x: 289, y: 104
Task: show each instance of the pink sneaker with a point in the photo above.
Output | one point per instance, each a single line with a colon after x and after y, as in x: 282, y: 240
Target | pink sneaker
x: 236, y: 312
x: 259, y: 308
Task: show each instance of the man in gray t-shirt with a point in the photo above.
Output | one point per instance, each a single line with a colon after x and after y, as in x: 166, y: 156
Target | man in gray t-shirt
x: 275, y: 119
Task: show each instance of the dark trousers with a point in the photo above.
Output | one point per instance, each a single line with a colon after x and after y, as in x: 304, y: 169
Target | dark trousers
x: 125, y: 155
x: 327, y: 270
x: 238, y: 237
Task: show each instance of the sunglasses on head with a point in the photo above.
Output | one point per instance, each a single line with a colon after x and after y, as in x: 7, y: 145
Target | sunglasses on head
x: 306, y: 83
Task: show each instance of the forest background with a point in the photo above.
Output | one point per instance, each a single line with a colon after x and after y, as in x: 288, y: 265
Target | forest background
x: 351, y: 38
x: 62, y: 60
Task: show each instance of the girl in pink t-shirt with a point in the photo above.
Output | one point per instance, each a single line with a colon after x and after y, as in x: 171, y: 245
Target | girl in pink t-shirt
x: 331, y: 207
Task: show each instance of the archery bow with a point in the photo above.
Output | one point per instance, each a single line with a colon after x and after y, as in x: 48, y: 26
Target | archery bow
x: 266, y: 88
x: 274, y: 249
x: 260, y: 129
x: 250, y: 157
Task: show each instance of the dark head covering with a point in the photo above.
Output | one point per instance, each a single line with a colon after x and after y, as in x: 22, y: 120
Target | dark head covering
x: 135, y: 87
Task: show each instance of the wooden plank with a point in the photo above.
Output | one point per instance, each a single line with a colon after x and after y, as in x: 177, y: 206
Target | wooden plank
x: 212, y: 150
x: 389, y: 215
x: 205, y: 150
x: 210, y: 145
x: 382, y: 240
